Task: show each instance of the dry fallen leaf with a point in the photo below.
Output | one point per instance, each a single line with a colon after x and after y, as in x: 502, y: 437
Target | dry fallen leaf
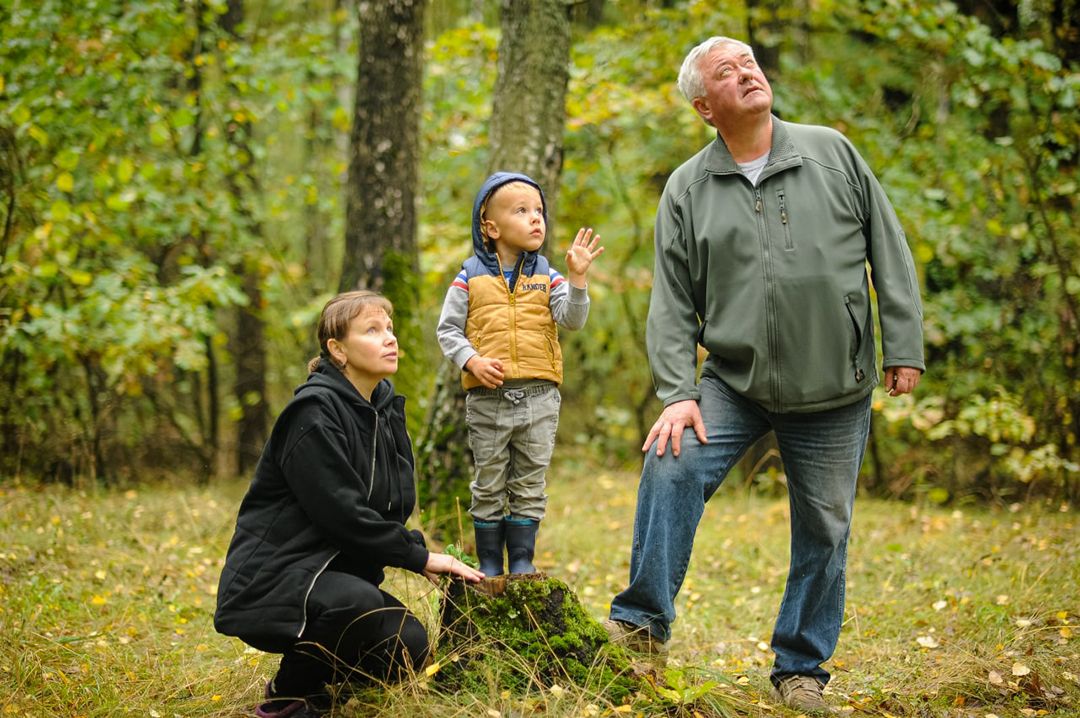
x: 927, y: 641
x: 996, y: 679
x: 1019, y: 669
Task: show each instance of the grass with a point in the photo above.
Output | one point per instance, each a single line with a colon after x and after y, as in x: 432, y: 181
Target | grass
x: 106, y: 602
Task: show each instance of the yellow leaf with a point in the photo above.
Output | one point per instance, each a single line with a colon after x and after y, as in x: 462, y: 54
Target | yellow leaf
x: 1065, y: 632
x: 995, y: 678
x: 65, y: 182
x: 432, y: 669
x: 1019, y: 669
x: 98, y: 600
x: 215, y: 698
x: 80, y: 278
x: 623, y: 709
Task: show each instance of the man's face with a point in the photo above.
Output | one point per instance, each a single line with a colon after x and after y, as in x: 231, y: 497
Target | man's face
x: 735, y: 87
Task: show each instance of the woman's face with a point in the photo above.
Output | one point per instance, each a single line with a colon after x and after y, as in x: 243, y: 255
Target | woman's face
x: 370, y: 350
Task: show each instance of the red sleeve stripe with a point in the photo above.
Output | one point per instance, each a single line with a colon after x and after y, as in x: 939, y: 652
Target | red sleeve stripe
x: 460, y: 284
x: 557, y: 281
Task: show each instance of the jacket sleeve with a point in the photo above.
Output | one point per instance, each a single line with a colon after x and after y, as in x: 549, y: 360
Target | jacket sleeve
x: 892, y: 271
x: 672, y: 326
x: 333, y: 493
x: 451, y: 328
x: 569, y: 304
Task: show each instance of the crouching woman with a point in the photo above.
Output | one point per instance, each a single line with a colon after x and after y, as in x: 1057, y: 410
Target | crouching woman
x: 324, y: 515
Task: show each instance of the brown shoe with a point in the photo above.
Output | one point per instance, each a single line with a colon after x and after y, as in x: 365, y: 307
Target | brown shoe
x: 636, y: 638
x: 803, y: 693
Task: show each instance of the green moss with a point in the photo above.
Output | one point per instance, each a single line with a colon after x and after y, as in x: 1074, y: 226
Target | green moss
x: 531, y: 632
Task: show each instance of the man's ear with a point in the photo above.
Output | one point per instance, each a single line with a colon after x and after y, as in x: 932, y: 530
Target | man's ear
x: 702, y: 108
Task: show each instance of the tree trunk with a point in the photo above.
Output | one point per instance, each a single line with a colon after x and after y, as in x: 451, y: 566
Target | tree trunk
x: 763, y: 28
x: 380, y: 218
x: 536, y: 631
x: 529, y: 108
x: 248, y: 342
x: 528, y: 117
x: 384, y: 162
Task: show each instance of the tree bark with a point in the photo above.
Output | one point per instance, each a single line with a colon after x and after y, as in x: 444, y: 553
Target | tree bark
x: 528, y: 118
x: 763, y: 28
x: 384, y: 152
x: 529, y: 107
x: 248, y: 342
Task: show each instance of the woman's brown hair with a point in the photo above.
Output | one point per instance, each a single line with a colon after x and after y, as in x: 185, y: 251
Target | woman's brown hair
x: 338, y: 314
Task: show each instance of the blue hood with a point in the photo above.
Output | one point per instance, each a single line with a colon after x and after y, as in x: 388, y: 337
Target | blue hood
x: 490, y: 259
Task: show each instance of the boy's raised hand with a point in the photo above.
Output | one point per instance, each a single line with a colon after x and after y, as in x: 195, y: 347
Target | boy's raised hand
x: 584, y: 249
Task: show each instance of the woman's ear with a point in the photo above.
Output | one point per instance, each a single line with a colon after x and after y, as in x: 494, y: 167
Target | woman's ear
x: 337, y: 352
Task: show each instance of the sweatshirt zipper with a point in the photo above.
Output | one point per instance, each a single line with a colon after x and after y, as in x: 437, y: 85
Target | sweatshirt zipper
x: 374, y: 446
x: 303, y: 624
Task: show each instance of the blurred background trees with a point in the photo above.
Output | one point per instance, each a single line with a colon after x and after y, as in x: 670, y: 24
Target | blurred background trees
x: 184, y: 183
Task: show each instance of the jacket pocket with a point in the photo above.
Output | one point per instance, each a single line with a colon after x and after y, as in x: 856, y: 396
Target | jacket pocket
x: 784, y: 220
x: 857, y: 339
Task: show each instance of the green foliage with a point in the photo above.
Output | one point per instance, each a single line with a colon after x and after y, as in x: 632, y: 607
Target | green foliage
x: 148, y: 158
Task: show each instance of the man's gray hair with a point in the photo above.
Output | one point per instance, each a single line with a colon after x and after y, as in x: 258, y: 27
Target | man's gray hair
x: 690, y: 83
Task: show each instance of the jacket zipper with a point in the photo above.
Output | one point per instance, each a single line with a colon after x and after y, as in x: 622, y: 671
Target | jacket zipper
x: 770, y: 319
x: 788, y: 244
x: 307, y: 593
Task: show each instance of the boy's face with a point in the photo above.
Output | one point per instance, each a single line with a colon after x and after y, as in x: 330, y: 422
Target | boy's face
x: 514, y: 220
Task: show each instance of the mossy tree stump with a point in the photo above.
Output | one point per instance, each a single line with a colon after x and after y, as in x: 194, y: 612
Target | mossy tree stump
x: 519, y: 631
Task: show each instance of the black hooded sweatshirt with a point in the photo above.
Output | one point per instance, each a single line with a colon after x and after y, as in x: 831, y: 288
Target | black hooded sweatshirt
x: 334, y: 483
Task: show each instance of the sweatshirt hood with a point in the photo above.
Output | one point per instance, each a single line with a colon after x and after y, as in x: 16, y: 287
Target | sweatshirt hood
x: 328, y: 376
x: 492, y: 183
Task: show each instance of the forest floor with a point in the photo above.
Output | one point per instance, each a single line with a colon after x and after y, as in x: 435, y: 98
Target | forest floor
x: 107, y: 596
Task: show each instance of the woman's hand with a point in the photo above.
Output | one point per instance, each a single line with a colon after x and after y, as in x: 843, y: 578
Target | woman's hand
x: 440, y: 563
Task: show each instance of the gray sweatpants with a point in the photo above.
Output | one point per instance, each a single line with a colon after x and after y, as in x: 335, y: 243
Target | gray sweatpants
x: 512, y: 435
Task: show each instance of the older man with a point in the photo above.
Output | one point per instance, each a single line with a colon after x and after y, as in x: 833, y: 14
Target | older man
x: 762, y: 244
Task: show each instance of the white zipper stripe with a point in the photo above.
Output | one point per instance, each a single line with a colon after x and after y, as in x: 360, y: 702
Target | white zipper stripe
x: 307, y: 593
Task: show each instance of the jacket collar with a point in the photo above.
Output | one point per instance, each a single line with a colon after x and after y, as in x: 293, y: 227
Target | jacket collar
x: 782, y: 155
x: 328, y: 376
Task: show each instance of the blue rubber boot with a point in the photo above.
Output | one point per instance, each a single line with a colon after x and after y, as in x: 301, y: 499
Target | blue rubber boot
x: 489, y: 546
x: 521, y: 544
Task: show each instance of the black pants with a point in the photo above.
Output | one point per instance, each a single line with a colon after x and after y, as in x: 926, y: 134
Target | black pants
x: 355, y: 632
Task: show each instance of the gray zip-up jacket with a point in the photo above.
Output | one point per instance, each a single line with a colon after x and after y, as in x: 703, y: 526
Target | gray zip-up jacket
x: 772, y: 279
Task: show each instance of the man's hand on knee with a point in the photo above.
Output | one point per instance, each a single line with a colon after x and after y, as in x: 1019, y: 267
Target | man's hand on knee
x: 674, y: 419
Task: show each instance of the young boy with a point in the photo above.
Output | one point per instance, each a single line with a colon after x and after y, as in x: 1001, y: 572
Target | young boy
x: 498, y: 324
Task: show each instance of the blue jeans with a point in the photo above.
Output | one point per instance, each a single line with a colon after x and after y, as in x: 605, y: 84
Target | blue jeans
x: 822, y: 452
